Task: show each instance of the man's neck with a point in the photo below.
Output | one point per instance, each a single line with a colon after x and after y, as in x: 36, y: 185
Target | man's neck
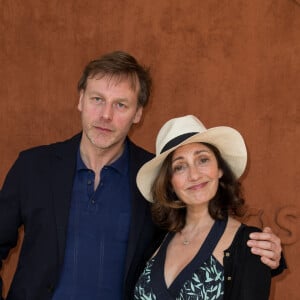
x: 95, y: 158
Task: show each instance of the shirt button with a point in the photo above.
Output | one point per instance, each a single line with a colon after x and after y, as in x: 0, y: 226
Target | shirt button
x: 93, y: 201
x: 229, y: 278
x: 227, y: 254
x: 89, y: 182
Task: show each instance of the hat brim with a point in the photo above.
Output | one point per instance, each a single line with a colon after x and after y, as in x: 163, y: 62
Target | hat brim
x: 229, y: 142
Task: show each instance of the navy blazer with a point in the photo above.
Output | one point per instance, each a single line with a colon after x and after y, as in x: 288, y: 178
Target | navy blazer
x: 36, y: 194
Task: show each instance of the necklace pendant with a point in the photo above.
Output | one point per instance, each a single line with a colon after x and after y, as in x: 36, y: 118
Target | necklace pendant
x: 185, y: 242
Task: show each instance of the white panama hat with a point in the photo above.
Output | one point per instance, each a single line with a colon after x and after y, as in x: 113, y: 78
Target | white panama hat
x: 185, y: 130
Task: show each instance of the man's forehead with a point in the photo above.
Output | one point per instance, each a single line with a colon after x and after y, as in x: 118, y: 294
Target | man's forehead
x: 116, y: 79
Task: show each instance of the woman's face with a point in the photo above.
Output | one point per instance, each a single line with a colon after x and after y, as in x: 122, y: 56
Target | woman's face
x: 195, y: 174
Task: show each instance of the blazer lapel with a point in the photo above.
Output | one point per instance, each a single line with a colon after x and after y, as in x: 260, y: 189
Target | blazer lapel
x: 140, y: 207
x: 63, y: 170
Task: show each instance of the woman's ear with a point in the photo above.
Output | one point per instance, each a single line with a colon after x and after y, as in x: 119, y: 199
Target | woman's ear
x: 220, y: 173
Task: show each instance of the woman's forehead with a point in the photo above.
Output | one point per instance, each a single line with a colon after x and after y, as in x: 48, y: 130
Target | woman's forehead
x: 192, y: 148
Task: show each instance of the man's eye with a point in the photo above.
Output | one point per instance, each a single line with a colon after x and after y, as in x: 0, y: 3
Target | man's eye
x: 96, y: 99
x: 121, y: 105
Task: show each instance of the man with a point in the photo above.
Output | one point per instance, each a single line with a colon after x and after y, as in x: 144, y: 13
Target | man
x: 87, y: 228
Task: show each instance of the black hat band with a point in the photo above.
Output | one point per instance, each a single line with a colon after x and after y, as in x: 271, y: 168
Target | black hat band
x: 177, y: 140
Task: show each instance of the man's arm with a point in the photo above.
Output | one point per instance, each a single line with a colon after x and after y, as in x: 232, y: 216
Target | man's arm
x: 268, y: 245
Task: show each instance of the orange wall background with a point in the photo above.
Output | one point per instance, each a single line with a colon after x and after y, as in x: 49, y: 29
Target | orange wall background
x: 234, y: 63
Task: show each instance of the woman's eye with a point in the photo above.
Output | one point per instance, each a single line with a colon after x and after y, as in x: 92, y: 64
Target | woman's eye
x: 178, y: 168
x: 204, y: 160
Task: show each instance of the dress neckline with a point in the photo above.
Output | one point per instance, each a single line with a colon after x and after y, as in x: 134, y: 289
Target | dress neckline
x: 160, y: 288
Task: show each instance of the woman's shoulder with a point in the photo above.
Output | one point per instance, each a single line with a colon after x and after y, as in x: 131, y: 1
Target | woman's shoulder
x: 227, y: 238
x: 247, y: 229
x: 237, y: 233
x: 232, y: 228
x: 242, y: 233
x: 233, y: 224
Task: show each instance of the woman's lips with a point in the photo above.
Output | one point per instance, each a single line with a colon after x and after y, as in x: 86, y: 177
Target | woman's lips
x: 198, y: 186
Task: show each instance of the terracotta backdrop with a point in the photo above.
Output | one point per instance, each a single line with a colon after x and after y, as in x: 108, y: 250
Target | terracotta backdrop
x: 230, y: 62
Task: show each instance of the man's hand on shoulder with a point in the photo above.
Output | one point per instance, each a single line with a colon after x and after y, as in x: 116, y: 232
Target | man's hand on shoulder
x: 267, y: 245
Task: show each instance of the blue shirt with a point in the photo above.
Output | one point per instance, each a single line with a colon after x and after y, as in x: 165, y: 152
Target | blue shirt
x: 97, y: 234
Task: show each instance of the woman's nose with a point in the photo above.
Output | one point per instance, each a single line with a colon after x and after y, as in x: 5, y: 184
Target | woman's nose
x: 194, y: 172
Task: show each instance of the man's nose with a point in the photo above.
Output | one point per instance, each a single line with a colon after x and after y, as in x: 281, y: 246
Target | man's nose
x: 107, y: 111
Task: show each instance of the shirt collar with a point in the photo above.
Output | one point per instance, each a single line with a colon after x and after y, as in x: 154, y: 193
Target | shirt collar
x: 120, y: 165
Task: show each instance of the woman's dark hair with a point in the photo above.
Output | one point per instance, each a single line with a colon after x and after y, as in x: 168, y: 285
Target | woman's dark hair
x: 169, y: 212
x: 119, y: 65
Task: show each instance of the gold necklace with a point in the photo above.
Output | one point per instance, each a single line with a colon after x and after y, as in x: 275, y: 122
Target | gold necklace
x: 200, y: 231
x: 185, y: 241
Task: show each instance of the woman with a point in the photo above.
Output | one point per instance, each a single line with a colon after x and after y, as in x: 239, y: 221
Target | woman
x: 193, y: 184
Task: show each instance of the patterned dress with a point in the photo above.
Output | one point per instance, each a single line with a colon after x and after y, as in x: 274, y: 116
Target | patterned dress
x: 201, y: 279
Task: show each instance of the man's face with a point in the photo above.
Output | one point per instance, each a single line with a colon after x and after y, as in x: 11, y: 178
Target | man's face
x: 108, y: 109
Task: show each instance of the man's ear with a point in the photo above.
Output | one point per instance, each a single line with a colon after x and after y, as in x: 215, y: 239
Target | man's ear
x: 80, y: 101
x: 138, y: 115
